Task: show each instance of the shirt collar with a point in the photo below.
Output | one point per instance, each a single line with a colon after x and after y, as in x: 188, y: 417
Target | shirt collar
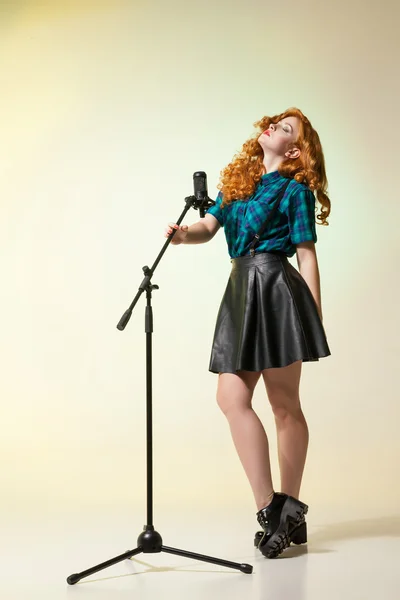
x: 270, y: 177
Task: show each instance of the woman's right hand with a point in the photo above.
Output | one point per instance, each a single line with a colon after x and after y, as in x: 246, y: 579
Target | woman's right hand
x: 181, y: 233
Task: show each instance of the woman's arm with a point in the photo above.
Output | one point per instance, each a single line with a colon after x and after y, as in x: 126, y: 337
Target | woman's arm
x: 308, y: 266
x: 198, y: 233
x: 202, y: 231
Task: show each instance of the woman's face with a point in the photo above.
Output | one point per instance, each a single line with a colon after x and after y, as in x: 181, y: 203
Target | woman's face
x: 280, y: 136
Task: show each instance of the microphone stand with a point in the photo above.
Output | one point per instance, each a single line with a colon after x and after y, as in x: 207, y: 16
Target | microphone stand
x: 150, y: 541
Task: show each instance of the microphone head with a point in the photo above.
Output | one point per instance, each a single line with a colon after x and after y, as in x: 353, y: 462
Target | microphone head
x: 200, y: 185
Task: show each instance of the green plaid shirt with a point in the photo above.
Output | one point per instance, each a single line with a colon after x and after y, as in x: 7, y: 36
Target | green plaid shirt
x: 293, y: 223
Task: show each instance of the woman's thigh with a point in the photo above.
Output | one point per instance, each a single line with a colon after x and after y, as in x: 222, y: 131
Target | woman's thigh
x: 282, y: 385
x: 235, y: 390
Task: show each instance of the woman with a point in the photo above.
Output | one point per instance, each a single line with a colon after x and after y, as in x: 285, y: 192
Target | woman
x: 270, y: 318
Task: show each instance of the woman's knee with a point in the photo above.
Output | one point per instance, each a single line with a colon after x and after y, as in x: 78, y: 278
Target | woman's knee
x: 235, y: 392
x: 282, y: 387
x: 284, y: 406
x: 232, y: 403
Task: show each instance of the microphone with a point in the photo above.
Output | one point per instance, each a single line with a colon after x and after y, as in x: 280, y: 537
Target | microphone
x: 202, y: 202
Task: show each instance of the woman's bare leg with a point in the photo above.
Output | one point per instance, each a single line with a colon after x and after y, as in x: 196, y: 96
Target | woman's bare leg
x: 234, y: 396
x: 282, y: 387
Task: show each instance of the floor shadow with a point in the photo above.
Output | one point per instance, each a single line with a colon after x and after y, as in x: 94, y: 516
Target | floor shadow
x: 349, y: 530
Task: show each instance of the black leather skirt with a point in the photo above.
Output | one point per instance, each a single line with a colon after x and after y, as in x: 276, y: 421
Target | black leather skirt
x: 268, y: 318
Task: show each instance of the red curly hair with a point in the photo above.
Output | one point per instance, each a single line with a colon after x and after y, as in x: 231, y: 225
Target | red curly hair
x: 240, y: 178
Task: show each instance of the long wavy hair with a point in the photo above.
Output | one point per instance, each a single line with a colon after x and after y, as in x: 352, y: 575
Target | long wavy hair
x: 240, y: 178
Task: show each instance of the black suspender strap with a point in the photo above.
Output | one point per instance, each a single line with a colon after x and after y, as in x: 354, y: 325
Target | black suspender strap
x: 267, y: 221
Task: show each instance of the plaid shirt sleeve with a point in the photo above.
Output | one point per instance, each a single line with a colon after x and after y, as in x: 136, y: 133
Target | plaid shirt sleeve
x: 216, y: 210
x: 301, y: 215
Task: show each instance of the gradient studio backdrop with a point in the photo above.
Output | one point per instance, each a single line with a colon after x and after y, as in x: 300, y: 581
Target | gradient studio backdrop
x: 107, y: 109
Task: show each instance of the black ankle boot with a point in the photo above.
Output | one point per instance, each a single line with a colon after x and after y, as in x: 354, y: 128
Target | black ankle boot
x: 269, y: 517
x: 283, y: 524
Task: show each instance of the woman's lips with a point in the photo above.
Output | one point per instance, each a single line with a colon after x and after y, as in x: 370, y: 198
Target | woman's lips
x: 267, y: 132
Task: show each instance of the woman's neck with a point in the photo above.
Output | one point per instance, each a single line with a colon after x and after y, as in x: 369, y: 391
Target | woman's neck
x: 271, y: 163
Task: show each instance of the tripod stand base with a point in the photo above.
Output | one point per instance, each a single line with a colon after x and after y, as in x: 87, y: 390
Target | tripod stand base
x: 150, y: 542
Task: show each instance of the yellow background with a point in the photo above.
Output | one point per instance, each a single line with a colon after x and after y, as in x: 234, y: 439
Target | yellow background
x: 107, y: 109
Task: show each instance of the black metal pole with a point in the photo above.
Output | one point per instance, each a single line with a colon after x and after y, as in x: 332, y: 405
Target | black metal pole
x: 149, y: 406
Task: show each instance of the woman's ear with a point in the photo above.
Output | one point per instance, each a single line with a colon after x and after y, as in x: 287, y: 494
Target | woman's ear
x: 293, y: 153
